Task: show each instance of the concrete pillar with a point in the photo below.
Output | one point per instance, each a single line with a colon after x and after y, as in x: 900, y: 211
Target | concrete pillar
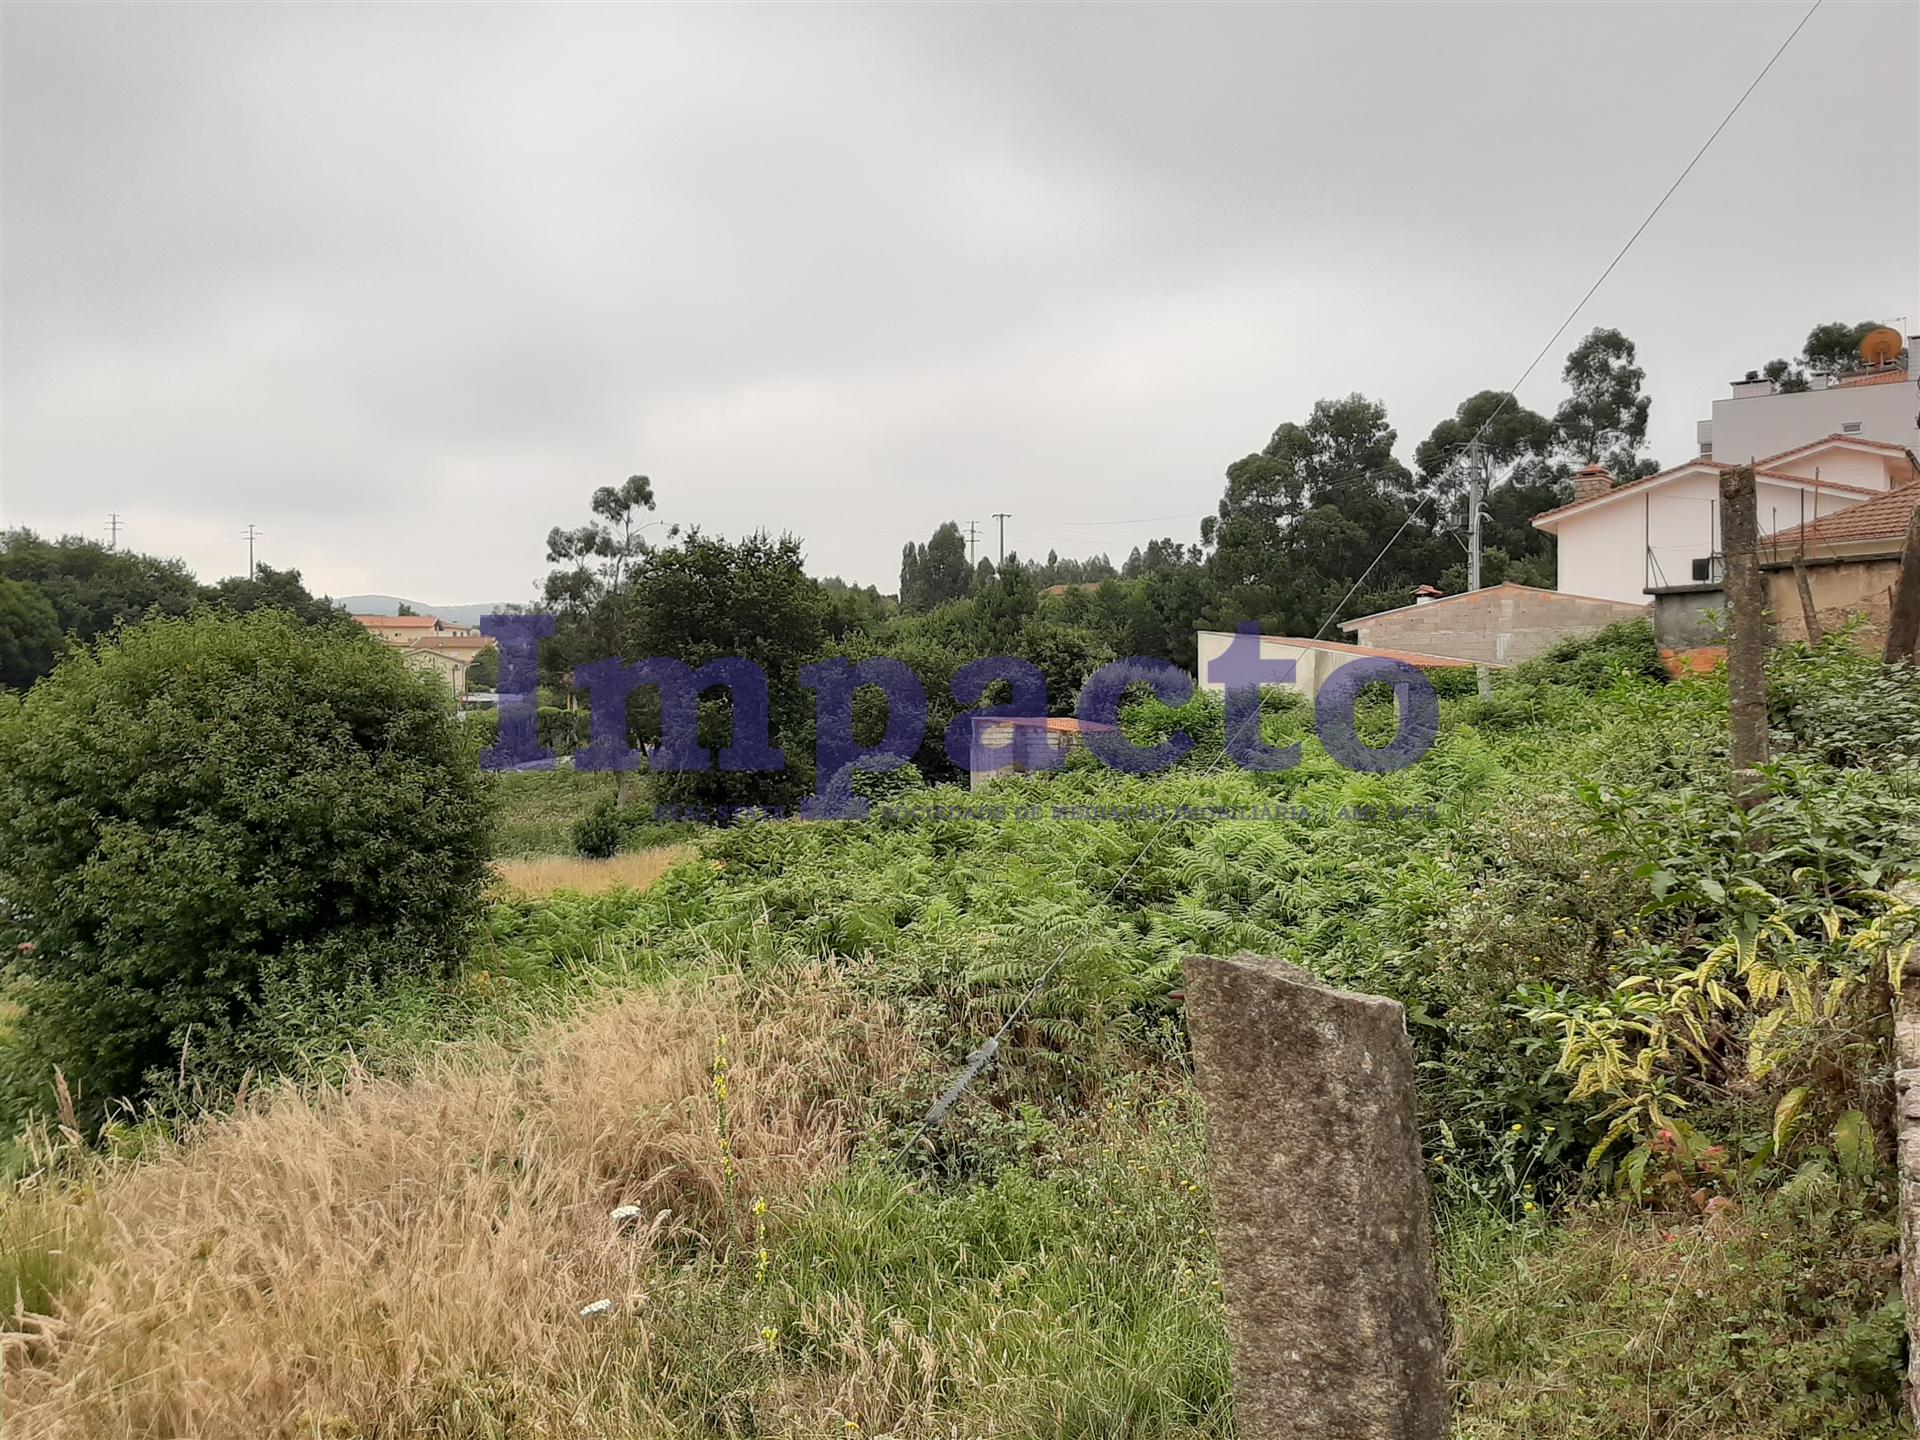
x: 1326, y: 1249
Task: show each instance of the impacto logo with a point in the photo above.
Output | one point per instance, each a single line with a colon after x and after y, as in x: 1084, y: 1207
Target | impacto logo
x: 837, y: 756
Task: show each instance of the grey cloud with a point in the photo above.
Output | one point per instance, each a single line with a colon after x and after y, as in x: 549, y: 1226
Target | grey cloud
x: 404, y: 284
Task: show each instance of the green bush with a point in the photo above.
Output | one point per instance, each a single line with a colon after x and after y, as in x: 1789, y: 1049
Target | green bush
x: 561, y: 731
x: 596, y: 834
x: 1592, y: 662
x: 209, y: 824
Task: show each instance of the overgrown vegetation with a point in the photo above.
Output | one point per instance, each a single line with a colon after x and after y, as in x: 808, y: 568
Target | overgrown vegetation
x: 743, y: 1048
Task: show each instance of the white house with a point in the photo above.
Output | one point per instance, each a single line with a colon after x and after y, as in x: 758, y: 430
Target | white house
x: 1758, y: 419
x: 1619, y: 542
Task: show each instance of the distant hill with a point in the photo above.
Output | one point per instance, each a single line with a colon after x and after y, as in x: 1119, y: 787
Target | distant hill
x: 390, y: 605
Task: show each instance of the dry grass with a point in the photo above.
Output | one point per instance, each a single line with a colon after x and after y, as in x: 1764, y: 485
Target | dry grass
x: 409, y: 1257
x: 548, y: 874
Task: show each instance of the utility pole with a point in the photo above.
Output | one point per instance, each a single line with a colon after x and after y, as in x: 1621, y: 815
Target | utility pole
x: 1479, y: 481
x: 1746, y: 591
x: 113, y: 530
x: 1003, y: 516
x: 252, y: 534
x: 1903, y: 621
x: 973, y: 529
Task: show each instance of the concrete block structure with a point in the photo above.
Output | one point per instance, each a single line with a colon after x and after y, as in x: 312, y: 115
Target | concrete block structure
x: 1017, y: 744
x: 1498, y: 625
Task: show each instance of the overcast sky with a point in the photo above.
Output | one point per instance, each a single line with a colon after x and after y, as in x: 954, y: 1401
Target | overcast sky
x: 401, y: 286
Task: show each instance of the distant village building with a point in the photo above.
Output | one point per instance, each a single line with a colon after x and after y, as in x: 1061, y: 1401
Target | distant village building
x: 428, y: 643
x: 1002, y: 745
x: 408, y: 628
x: 1314, y: 661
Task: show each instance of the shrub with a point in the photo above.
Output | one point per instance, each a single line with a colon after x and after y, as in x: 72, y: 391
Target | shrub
x: 882, y: 786
x: 208, y: 821
x: 1592, y: 662
x: 596, y: 834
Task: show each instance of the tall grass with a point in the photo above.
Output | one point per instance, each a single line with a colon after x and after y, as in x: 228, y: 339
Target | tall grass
x: 545, y: 875
x: 410, y: 1257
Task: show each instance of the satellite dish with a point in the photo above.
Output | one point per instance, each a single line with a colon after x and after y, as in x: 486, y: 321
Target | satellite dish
x: 1880, y: 345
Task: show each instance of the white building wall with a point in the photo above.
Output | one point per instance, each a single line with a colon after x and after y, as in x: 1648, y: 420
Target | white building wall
x: 1751, y: 427
x: 1615, y: 551
x: 1311, y: 665
x: 1842, y: 467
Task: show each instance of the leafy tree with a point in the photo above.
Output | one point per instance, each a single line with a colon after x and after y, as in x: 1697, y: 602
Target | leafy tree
x: 1307, y: 515
x: 92, y: 588
x: 217, y: 832
x: 405, y: 609
x: 1526, y: 480
x: 599, y: 554
x: 1604, y: 420
x: 618, y: 507
x: 705, y: 598
x: 1066, y: 655
x: 30, y: 637
x: 852, y: 608
x: 483, y: 675
x: 1163, y: 554
x: 1834, y: 348
x: 271, y: 589
x: 910, y: 596
x: 1003, y: 607
x: 936, y: 572
x: 1057, y: 571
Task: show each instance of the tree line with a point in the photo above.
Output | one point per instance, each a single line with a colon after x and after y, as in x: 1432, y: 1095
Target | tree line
x: 71, y: 591
x: 1320, y: 523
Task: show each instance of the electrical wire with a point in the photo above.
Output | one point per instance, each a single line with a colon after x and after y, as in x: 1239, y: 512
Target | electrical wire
x: 980, y: 1058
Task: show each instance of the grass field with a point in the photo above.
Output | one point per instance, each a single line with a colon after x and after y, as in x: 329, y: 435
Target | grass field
x: 539, y: 876
x: 538, y: 808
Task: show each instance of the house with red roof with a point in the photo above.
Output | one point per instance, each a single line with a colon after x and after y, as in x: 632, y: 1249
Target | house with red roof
x: 1661, y: 533
x: 1851, y: 562
x: 429, y: 643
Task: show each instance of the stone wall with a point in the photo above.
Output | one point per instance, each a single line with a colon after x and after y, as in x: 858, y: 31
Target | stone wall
x: 1842, y: 587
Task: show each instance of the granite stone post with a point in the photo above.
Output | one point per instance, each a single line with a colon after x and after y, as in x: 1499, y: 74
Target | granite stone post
x: 1326, y: 1249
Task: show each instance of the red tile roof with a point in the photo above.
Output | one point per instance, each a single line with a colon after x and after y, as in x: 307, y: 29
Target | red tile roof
x: 411, y: 622
x: 1057, y: 724
x: 1640, y: 484
x: 1876, y: 377
x: 475, y: 643
x: 1884, y: 518
x: 1697, y: 464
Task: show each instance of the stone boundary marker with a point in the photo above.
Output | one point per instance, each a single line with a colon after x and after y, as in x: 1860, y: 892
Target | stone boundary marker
x: 1326, y: 1246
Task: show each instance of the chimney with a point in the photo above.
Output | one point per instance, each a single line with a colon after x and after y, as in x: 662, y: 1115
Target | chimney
x: 1427, y: 594
x: 1590, y: 481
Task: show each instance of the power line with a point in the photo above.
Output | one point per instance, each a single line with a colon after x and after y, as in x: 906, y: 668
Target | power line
x: 1003, y: 516
x: 973, y: 530
x: 1612, y: 265
x: 1659, y: 205
x: 113, y: 530
x: 1142, y: 520
x: 979, y: 1059
x: 252, y: 534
